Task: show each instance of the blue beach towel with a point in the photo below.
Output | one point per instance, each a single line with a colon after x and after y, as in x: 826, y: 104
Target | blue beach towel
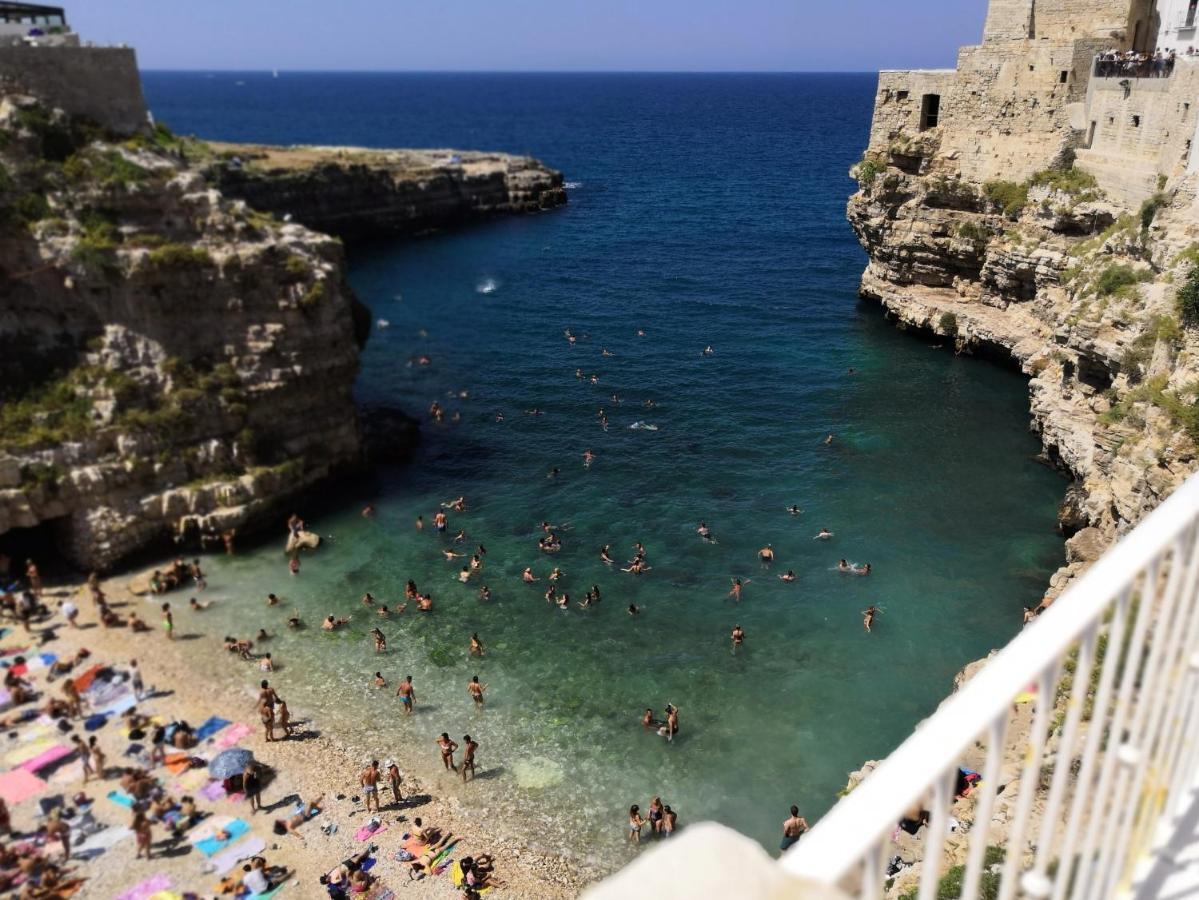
x: 211, y: 727
x: 120, y: 798
x: 211, y: 846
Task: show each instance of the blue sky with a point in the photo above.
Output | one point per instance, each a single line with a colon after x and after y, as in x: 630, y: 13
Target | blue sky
x: 525, y: 35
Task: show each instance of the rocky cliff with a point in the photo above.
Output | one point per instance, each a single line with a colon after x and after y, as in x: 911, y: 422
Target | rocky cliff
x: 173, y: 359
x: 353, y: 192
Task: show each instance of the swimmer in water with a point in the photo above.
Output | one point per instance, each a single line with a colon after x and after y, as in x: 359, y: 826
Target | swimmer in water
x: 828, y: 440
x: 605, y: 352
x: 367, y: 599
x: 554, y: 472
x: 605, y: 555
x: 789, y: 577
x: 868, y: 617
x: 647, y: 720
x: 331, y: 624
x: 738, y: 637
x: 555, y: 574
x: 476, y: 645
x: 588, y: 457
x: 485, y: 593
x: 382, y: 612
x: 634, y: 609
x: 380, y: 640
x: 564, y: 601
x: 527, y: 576
x: 766, y: 555
x: 823, y: 535
x: 475, y: 689
x: 424, y: 603
x: 272, y: 600
x: 294, y: 621
x: 735, y: 593
x: 705, y: 532
x: 794, y: 510
x: 379, y: 680
x: 862, y: 570
x: 368, y: 511
x: 450, y: 554
x: 844, y: 566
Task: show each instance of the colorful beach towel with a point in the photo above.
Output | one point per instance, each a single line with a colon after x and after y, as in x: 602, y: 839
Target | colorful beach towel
x: 214, y: 790
x: 84, y: 681
x: 19, y: 785
x: 211, y: 727
x: 232, y: 735
x: 365, y: 831
x: 120, y: 798
x: 46, y: 757
x: 210, y: 846
x: 177, y: 762
x: 230, y: 857
x: 147, y: 888
x: 96, y: 844
x: 27, y: 751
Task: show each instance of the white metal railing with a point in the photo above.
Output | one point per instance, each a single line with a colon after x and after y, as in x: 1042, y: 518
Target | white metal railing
x: 1121, y: 738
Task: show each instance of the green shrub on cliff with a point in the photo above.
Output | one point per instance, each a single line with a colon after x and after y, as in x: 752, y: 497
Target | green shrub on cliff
x: 295, y: 270
x: 949, y: 324
x: 48, y: 414
x: 107, y: 168
x: 1119, y: 280
x: 866, y: 171
x: 951, y: 883
x: 312, y: 295
x: 177, y: 258
x: 1188, y: 298
x: 1080, y: 185
x: 1009, y: 196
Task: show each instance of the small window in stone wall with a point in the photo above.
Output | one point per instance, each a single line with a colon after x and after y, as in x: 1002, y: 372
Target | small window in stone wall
x: 1186, y: 108
x: 1136, y: 121
x: 1064, y: 76
x: 901, y: 95
x: 930, y: 111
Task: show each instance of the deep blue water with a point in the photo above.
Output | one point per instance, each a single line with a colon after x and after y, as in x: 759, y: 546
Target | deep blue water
x: 706, y: 210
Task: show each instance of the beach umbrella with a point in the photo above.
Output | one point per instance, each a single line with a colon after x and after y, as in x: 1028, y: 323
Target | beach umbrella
x: 229, y: 762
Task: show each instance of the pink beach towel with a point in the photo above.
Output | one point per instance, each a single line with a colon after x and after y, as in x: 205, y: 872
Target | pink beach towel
x: 147, y: 888
x: 364, y: 832
x: 19, y: 785
x: 214, y: 790
x: 54, y: 754
x: 232, y: 735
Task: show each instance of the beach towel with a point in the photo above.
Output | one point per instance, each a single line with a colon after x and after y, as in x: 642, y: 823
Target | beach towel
x: 19, y: 785
x: 232, y: 736
x: 147, y: 888
x: 46, y: 757
x: 214, y: 790
x: 120, y: 798
x: 365, y: 831
x: 211, y: 727
x: 95, y: 722
x: 29, y: 750
x: 84, y: 681
x: 116, y: 704
x: 210, y: 846
x: 456, y: 875
x: 230, y: 857
x: 177, y: 762
x: 99, y: 842
x: 191, y: 781
x: 272, y: 892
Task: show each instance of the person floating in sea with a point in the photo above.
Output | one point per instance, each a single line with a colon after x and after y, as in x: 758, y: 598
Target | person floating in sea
x: 705, y: 532
x: 475, y: 689
x: 527, y: 575
x: 823, y: 535
x: 868, y: 615
x: 794, y: 510
x: 844, y: 566
x: 332, y: 624
x: 458, y: 504
x: 588, y: 457
x: 828, y: 440
x: 735, y: 592
x: 788, y: 577
x: 738, y: 637
x: 484, y: 593
x: 766, y: 555
x: 605, y: 554
x: 708, y: 351
x: 862, y: 569
x: 634, y: 609
x: 379, y: 680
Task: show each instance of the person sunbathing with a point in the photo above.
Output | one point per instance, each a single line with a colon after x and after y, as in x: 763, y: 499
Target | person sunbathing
x: 307, y: 811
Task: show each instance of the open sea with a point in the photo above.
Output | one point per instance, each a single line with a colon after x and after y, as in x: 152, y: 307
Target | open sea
x: 704, y: 210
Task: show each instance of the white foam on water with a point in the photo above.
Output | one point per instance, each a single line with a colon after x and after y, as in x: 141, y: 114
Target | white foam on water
x: 487, y: 286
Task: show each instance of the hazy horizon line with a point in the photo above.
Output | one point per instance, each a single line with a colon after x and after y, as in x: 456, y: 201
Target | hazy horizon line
x: 515, y: 71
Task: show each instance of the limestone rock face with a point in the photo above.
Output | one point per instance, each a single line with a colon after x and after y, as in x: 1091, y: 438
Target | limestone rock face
x: 169, y: 359
x: 352, y: 191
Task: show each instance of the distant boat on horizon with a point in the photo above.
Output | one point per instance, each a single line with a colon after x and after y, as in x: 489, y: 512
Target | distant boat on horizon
x: 274, y: 73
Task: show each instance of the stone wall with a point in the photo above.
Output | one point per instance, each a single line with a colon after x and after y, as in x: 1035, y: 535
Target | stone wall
x: 1068, y: 20
x: 1140, y: 129
x: 99, y: 83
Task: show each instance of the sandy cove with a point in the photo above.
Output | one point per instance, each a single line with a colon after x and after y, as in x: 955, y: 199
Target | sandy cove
x: 306, y: 767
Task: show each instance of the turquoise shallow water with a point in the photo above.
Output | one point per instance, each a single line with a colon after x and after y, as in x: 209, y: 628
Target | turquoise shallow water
x: 704, y: 210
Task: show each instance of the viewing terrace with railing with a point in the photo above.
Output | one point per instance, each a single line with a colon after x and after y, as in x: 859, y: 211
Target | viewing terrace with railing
x: 1134, y: 65
x: 1093, y: 797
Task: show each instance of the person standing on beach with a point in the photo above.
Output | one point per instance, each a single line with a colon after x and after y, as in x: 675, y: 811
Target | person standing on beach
x: 252, y: 787
x: 85, y: 756
x: 168, y: 621
x: 407, y: 694
x: 476, y: 690
x: 34, y: 577
x: 793, y: 829
x: 284, y: 719
x: 447, y: 748
x: 267, y: 713
x: 139, y: 687
x: 370, y: 784
x: 141, y: 828
x: 468, y: 760
x: 392, y: 771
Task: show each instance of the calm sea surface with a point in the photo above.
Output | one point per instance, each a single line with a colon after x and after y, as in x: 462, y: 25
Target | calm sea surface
x: 706, y: 210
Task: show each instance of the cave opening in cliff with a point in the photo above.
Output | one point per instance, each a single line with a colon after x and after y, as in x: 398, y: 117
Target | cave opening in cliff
x: 39, y: 543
